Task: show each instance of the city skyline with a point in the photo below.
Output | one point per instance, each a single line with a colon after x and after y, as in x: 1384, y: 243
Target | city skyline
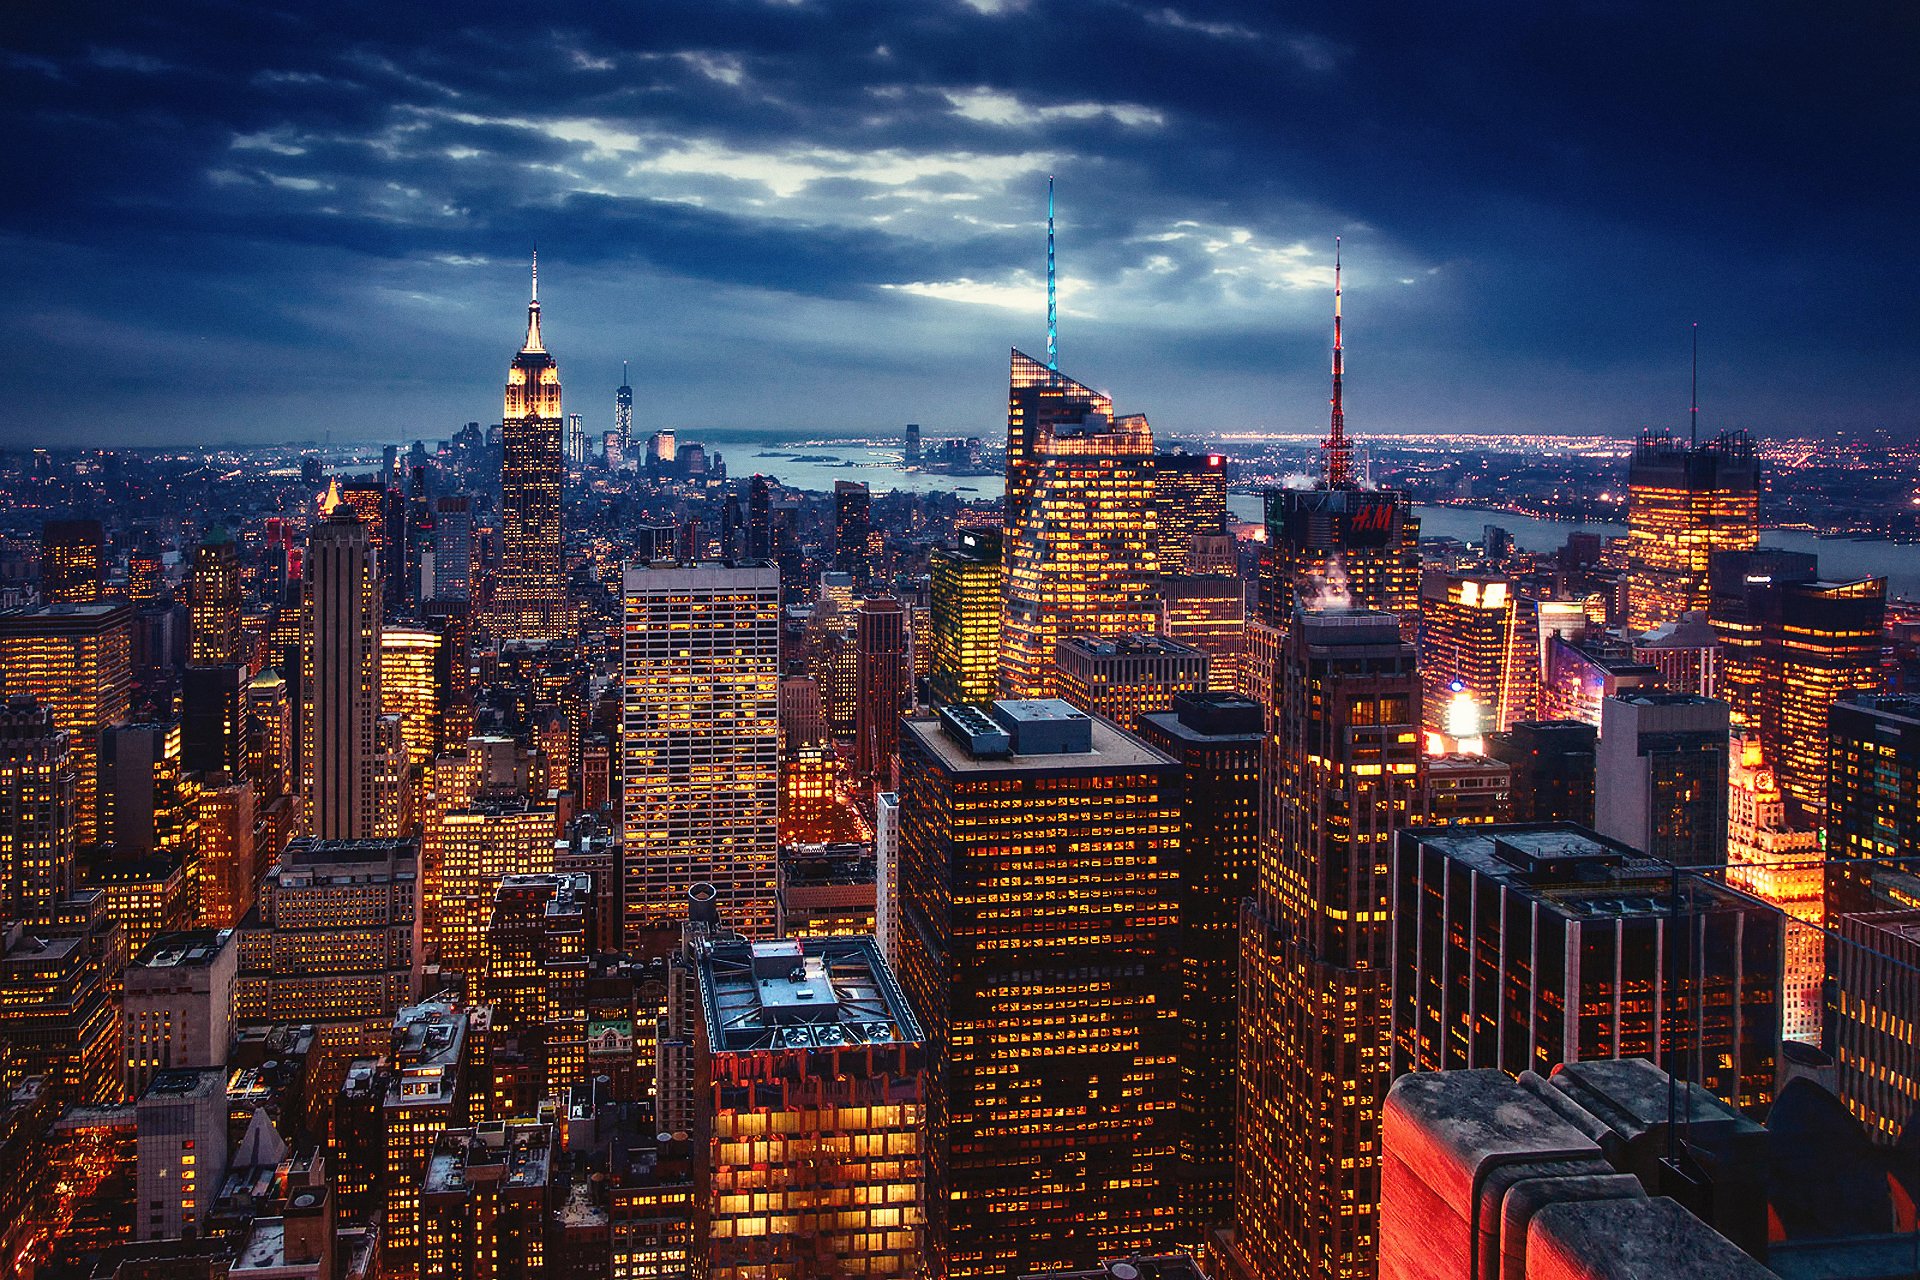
x: 798, y: 201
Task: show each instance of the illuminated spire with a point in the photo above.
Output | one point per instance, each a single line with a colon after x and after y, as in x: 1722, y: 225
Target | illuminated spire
x: 1053, y: 315
x: 331, y: 501
x: 1339, y: 453
x: 533, y: 310
x: 624, y: 380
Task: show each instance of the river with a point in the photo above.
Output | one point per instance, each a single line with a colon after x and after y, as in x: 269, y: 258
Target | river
x: 1840, y: 558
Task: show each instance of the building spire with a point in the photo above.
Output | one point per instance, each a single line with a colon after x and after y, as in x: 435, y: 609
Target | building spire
x: 624, y: 380
x: 1339, y: 454
x: 1053, y: 314
x: 533, y: 309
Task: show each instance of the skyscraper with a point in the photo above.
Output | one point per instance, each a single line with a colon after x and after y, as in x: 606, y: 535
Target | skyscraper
x: 340, y: 685
x: 623, y: 411
x: 700, y: 743
x: 146, y: 802
x: 467, y: 852
x: 59, y: 998
x: 1338, y: 778
x: 1215, y: 738
x: 1122, y: 677
x: 1743, y: 587
x: 333, y: 941
x: 38, y: 806
x: 413, y: 687
x: 213, y: 719
x: 1477, y: 656
x: 881, y: 683
x: 528, y: 600
x: 1879, y: 1066
x: 76, y: 660
x: 1551, y: 767
x: 1821, y: 643
x: 1337, y: 542
x: 1190, y: 501
x: 1082, y: 546
x: 1685, y: 502
x: 965, y: 594
x: 1209, y: 612
x: 853, y: 530
x: 1873, y: 798
x: 1783, y: 864
x: 72, y: 561
x: 759, y: 519
x: 1586, y: 938
x: 1661, y: 784
x: 452, y: 547
x: 213, y: 608
x: 1039, y: 899
x: 812, y: 1108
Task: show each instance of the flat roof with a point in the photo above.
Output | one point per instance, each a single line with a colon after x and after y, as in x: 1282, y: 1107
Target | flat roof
x: 193, y: 949
x: 1113, y: 748
x: 1129, y: 644
x: 187, y: 1082
x: 811, y: 993
x: 1575, y: 872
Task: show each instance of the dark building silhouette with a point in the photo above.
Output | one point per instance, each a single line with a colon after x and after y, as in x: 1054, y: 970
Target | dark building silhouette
x: 881, y: 680
x: 852, y: 530
x: 1873, y: 803
x: 1215, y: 739
x: 72, y: 561
x: 1662, y: 773
x: 1552, y: 764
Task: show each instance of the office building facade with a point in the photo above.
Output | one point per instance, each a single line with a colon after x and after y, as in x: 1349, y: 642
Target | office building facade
x: 1685, y: 503
x: 964, y: 588
x: 1038, y: 930
x: 1216, y: 740
x: 700, y: 742
x: 340, y: 680
x: 1339, y: 777
x: 1523, y: 947
x: 1662, y: 771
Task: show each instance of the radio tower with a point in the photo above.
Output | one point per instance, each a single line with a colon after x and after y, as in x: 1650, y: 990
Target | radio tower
x: 1339, y: 453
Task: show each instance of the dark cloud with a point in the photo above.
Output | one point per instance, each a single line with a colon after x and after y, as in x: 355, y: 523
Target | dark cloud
x: 281, y: 220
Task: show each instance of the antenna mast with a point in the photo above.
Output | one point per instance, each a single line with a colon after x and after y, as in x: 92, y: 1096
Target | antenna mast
x: 1693, y: 412
x: 1053, y: 314
x: 1339, y: 453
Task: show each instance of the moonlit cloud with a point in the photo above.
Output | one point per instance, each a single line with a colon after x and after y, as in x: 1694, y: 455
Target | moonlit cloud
x: 832, y: 214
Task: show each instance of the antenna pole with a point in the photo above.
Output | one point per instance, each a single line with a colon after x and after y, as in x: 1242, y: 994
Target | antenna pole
x: 1053, y: 314
x: 1339, y: 454
x: 1693, y: 411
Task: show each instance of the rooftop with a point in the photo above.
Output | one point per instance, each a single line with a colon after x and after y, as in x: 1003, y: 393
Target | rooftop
x: 1132, y: 645
x: 181, y: 1083
x: 813, y: 993
x: 1112, y: 749
x: 1573, y: 871
x: 514, y: 1154
x: 193, y: 949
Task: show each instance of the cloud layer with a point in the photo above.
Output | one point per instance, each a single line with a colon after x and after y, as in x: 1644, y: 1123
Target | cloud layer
x: 262, y: 222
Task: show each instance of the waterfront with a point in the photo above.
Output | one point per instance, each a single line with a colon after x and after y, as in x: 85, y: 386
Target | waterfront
x: 1843, y: 558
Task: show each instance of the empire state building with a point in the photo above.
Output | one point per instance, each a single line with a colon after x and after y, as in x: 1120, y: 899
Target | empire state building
x: 528, y: 603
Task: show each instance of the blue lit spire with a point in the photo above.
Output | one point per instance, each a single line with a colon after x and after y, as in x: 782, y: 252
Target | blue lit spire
x: 1053, y: 315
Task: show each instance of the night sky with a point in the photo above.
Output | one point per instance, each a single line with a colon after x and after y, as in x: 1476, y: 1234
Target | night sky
x: 261, y: 222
